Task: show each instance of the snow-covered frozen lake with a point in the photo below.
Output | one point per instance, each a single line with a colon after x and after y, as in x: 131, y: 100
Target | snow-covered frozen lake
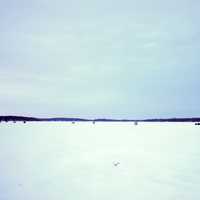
x: 102, y: 161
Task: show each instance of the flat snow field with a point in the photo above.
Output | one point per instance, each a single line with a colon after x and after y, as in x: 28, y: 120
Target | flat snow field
x: 102, y: 161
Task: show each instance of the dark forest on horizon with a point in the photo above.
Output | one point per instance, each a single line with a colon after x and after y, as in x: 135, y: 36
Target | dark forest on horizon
x: 67, y: 119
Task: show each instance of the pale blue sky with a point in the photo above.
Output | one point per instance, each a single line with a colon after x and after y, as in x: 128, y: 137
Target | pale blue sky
x: 122, y: 59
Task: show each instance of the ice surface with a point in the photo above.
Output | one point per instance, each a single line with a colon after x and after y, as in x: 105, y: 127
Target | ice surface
x: 102, y: 161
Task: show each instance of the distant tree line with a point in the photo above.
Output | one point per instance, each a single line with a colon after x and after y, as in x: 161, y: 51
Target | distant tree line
x: 25, y: 119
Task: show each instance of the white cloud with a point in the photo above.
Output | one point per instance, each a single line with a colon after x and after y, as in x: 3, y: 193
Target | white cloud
x: 77, y: 54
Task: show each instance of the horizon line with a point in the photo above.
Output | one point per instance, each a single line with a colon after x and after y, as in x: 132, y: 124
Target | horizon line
x: 28, y: 118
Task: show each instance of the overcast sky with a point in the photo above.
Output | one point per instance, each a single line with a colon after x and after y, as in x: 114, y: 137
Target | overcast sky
x: 122, y: 59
